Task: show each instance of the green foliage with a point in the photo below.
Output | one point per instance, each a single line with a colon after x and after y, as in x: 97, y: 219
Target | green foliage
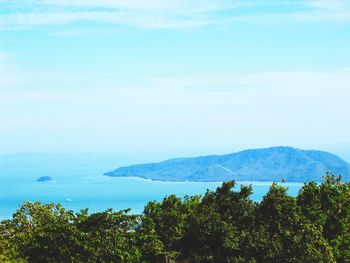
x: 328, y: 206
x: 218, y: 225
x: 49, y: 233
x: 107, y: 236
x: 222, y: 226
x: 7, y: 252
x: 163, y: 228
x: 290, y: 236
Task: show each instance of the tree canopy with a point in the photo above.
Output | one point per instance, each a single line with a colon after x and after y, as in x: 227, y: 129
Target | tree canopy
x: 222, y: 226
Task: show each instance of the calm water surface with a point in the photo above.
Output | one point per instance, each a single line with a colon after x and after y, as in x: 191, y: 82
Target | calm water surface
x: 79, y: 183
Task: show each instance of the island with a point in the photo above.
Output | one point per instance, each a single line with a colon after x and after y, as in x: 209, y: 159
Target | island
x: 269, y: 164
x: 44, y: 179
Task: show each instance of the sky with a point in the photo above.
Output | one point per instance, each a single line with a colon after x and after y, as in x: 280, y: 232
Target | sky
x: 168, y: 78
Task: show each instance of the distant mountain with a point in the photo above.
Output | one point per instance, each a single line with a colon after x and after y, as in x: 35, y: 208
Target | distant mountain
x: 270, y: 164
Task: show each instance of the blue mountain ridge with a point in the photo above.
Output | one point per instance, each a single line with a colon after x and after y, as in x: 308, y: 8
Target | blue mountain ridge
x: 268, y: 164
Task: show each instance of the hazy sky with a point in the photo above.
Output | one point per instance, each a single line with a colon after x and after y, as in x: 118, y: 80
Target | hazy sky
x: 173, y: 77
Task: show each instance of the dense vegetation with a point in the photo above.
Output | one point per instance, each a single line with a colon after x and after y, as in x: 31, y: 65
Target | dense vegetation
x: 222, y: 226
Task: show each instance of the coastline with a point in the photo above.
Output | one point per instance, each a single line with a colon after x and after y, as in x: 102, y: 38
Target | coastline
x: 267, y: 183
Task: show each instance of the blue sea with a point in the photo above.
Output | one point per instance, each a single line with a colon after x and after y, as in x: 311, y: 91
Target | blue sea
x: 79, y: 183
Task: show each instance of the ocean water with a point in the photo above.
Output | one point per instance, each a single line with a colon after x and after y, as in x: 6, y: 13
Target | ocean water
x: 79, y: 183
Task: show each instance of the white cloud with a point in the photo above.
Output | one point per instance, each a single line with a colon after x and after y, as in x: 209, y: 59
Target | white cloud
x: 171, y: 6
x: 4, y: 56
x: 169, y: 13
x: 149, y: 13
x: 305, y: 109
x: 303, y: 11
x: 8, y: 77
x: 337, y: 5
x: 20, y: 21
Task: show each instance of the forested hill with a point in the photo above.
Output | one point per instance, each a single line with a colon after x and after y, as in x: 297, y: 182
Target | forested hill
x: 270, y: 164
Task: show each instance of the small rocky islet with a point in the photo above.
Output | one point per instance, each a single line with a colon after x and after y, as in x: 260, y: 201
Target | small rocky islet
x: 44, y: 179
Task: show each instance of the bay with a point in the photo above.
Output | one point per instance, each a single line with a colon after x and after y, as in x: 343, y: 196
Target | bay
x: 78, y: 183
